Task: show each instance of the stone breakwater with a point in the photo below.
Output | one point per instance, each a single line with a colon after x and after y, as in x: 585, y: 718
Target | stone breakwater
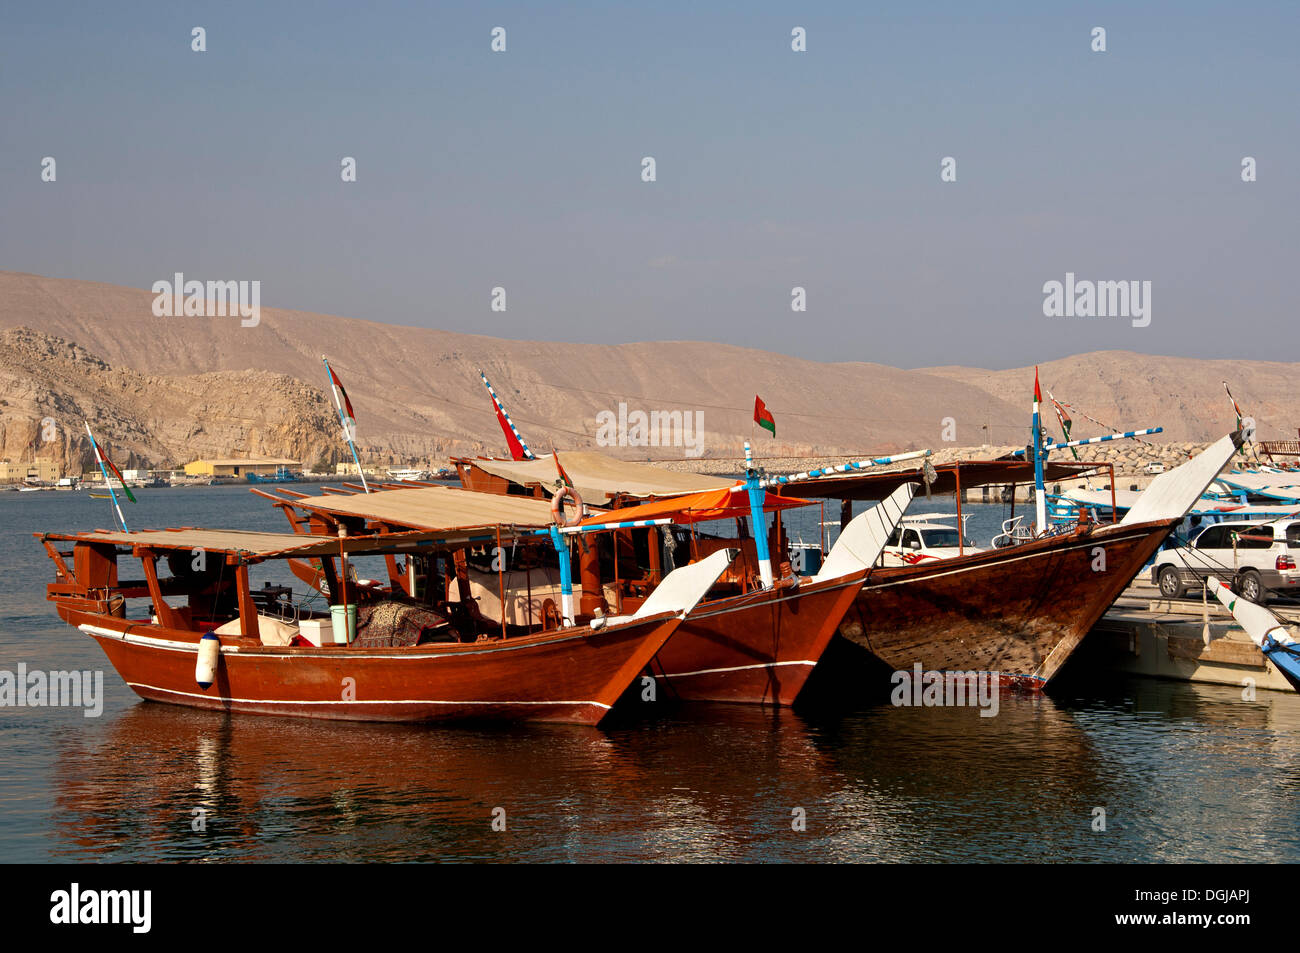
x: 1129, y: 457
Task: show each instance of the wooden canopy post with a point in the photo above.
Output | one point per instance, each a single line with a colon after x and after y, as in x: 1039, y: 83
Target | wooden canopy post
x: 499, y: 558
x: 1113, y: 515
x: 167, y: 616
x: 589, y: 576
x: 653, y: 554
x: 961, y: 530
x: 247, y: 608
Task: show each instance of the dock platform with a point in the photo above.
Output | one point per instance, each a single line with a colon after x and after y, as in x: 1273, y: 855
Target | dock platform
x: 1147, y: 634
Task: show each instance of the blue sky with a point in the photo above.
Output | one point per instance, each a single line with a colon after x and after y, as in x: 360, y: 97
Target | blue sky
x: 775, y: 169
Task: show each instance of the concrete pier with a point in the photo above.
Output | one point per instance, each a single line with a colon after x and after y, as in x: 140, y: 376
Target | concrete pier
x: 1146, y: 634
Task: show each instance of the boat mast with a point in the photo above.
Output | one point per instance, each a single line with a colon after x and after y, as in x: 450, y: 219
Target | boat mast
x: 1040, y: 489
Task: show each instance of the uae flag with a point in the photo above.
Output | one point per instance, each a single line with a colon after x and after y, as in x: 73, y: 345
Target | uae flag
x: 559, y: 467
x: 338, y: 384
x: 102, y: 457
x: 1038, y: 394
x: 1065, y: 421
x: 762, y: 417
x: 1236, y: 408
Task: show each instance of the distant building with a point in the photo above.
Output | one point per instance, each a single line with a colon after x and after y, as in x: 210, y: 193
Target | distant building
x: 237, y: 467
x: 45, y: 471
x: 350, y: 469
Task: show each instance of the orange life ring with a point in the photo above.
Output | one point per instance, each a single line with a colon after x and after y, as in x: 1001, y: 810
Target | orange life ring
x: 575, y: 514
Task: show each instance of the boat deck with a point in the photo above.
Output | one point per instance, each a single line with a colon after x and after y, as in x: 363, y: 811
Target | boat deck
x: 1147, y: 634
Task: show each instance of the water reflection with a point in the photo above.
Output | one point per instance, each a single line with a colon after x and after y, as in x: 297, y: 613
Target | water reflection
x: 1182, y: 774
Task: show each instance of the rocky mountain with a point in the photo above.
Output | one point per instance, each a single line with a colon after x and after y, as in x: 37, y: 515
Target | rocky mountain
x: 161, y: 390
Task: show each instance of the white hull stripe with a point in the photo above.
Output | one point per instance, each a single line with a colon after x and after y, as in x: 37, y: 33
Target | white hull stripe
x: 358, y: 702
x: 735, y: 668
x: 170, y: 645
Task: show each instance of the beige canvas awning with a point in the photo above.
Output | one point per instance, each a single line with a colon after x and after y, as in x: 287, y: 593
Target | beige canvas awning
x: 434, y: 508
x: 255, y: 547
x: 597, y: 477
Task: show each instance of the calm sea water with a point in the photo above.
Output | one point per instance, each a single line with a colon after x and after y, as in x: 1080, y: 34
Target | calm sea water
x: 1184, y: 773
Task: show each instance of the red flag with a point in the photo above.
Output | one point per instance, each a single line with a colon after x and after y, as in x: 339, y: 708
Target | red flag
x: 347, y: 404
x: 1038, y: 394
x: 762, y: 417
x: 564, y: 477
x: 112, y: 467
x: 514, y: 440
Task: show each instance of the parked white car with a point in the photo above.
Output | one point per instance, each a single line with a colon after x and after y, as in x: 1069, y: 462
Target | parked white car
x: 1259, y: 558
x: 1154, y: 468
x: 919, y: 538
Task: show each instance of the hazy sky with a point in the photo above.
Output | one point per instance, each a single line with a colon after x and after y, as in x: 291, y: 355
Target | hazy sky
x: 775, y: 169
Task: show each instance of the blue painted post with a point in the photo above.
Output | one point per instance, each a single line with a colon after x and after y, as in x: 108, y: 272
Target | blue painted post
x: 756, y: 497
x: 1040, y: 488
x: 566, y: 575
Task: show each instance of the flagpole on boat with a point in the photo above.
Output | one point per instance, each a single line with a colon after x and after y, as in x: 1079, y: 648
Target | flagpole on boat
x: 343, y: 421
x: 99, y: 458
x: 1131, y: 434
x: 1040, y: 488
x: 759, y: 528
x: 830, y: 470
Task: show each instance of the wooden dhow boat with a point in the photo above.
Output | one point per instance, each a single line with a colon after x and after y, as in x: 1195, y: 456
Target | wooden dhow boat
x: 1018, y: 611
x: 755, y: 638
x: 208, y: 639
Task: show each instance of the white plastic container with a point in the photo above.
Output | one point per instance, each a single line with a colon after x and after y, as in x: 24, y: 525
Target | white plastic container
x: 317, y: 631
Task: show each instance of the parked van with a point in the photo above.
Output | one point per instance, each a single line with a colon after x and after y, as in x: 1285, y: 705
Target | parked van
x: 1260, y: 559
x: 918, y: 538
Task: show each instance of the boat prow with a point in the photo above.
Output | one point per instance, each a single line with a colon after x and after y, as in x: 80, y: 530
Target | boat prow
x: 1264, y: 628
x: 1020, y: 611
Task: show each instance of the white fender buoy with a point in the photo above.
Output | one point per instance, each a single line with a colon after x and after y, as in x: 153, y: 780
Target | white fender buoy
x: 205, y: 669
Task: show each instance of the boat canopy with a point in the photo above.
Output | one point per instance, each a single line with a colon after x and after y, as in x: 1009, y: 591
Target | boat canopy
x: 433, y: 508
x: 879, y: 484
x: 694, y: 508
x: 598, y: 477
x: 251, y: 547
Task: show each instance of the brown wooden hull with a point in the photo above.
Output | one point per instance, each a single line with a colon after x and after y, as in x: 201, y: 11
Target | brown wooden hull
x: 758, y: 648
x: 1018, y: 611
x: 572, y: 675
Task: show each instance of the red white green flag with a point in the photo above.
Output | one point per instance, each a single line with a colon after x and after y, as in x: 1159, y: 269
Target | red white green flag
x: 338, y: 386
x: 762, y: 417
x: 102, y: 457
x: 1038, y: 394
x: 1064, y: 419
x: 564, y: 477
